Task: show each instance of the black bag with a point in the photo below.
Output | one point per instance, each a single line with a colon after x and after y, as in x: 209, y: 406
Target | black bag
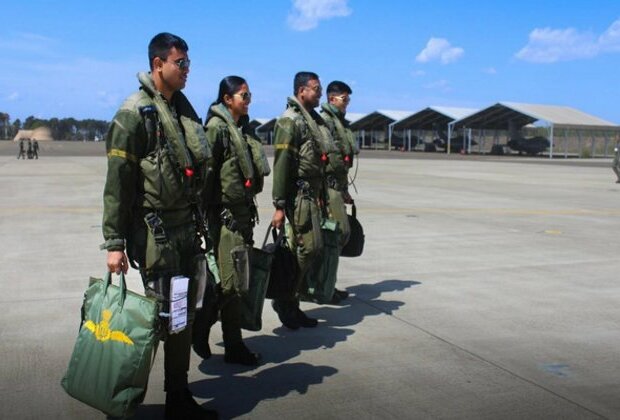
x: 355, y: 246
x: 283, y: 275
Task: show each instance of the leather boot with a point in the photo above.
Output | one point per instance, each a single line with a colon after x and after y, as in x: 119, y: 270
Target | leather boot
x: 182, y: 406
x: 200, y: 344
x: 287, y: 313
x: 304, y: 320
x: 339, y: 296
x: 203, y: 321
x: 238, y: 353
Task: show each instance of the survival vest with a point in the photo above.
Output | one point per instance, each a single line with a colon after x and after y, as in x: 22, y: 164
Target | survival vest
x: 173, y: 173
x: 314, y: 146
x: 245, y: 165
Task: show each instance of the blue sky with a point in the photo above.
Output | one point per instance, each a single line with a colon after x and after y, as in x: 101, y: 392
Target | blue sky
x: 79, y: 59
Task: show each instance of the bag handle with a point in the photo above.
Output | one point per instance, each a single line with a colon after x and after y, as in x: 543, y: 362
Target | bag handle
x: 278, y: 236
x: 123, y: 286
x: 269, y: 229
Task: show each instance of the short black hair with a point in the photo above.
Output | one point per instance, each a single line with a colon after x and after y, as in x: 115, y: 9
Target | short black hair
x: 339, y: 88
x: 302, y: 78
x: 161, y: 44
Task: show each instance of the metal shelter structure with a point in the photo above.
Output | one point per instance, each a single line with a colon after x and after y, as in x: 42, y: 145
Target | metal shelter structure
x: 378, y: 121
x: 257, y: 122
x: 433, y: 118
x: 512, y: 117
x: 265, y: 130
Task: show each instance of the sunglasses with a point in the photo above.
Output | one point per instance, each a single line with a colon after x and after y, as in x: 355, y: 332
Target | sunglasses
x: 246, y: 96
x: 183, y: 63
x: 316, y: 88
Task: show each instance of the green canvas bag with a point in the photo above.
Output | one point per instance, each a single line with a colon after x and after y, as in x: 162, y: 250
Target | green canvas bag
x: 319, y: 283
x: 254, y: 299
x: 115, y: 348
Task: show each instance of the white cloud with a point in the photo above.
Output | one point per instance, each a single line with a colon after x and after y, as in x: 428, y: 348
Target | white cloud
x: 306, y: 14
x: 12, y: 96
x: 549, y: 45
x: 442, y: 85
x: 418, y: 73
x: 609, y: 41
x: 489, y: 70
x: 28, y: 42
x: 439, y: 49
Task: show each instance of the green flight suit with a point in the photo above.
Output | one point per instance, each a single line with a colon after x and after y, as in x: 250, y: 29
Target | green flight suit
x: 239, y: 166
x: 148, y: 140
x: 301, y: 148
x: 616, y: 162
x: 340, y: 161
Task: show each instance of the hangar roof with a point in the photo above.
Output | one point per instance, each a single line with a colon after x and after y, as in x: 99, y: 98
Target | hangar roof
x: 432, y: 117
x: 500, y: 115
x: 379, y: 119
x: 267, y: 125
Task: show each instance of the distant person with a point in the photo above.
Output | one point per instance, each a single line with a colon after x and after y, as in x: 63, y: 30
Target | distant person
x: 337, y: 170
x: 35, y: 149
x: 299, y: 185
x: 29, y: 149
x: 616, y: 163
x: 239, y: 165
x: 22, y: 150
x: 153, y: 198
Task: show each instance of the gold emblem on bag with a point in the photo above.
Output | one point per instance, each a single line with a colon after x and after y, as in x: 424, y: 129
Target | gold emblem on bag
x: 103, y: 332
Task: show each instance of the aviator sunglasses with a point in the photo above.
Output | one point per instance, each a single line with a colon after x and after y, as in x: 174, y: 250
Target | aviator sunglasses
x: 183, y: 63
x: 246, y: 96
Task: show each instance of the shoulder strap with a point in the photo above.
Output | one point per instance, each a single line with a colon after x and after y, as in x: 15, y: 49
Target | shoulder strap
x: 237, y: 140
x: 320, y: 136
x: 172, y: 130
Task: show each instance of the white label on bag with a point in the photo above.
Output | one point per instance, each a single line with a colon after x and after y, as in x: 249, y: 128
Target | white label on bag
x: 178, y: 303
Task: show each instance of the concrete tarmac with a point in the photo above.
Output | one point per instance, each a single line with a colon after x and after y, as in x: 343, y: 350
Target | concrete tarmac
x: 488, y: 289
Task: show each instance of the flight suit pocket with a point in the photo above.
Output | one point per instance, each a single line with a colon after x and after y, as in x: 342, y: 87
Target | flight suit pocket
x: 161, y: 181
x: 160, y: 255
x: 302, y: 219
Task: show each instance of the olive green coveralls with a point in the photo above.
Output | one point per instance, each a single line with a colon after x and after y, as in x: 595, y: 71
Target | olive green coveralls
x: 143, y: 180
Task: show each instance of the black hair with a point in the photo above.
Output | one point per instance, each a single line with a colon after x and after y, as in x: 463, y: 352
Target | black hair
x: 229, y: 85
x: 339, y: 88
x: 302, y: 78
x: 161, y: 44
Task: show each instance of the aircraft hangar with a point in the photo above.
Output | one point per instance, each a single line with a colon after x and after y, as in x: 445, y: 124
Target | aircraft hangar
x: 373, y: 130
x: 416, y: 128
x: 555, y: 130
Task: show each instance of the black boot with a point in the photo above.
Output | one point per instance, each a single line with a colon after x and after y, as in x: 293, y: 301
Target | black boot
x: 201, y: 346
x: 180, y: 405
x: 238, y: 353
x: 304, y: 320
x: 338, y: 296
x: 287, y: 313
x: 203, y: 321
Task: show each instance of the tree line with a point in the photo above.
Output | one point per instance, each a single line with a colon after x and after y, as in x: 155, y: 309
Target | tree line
x: 61, y: 128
